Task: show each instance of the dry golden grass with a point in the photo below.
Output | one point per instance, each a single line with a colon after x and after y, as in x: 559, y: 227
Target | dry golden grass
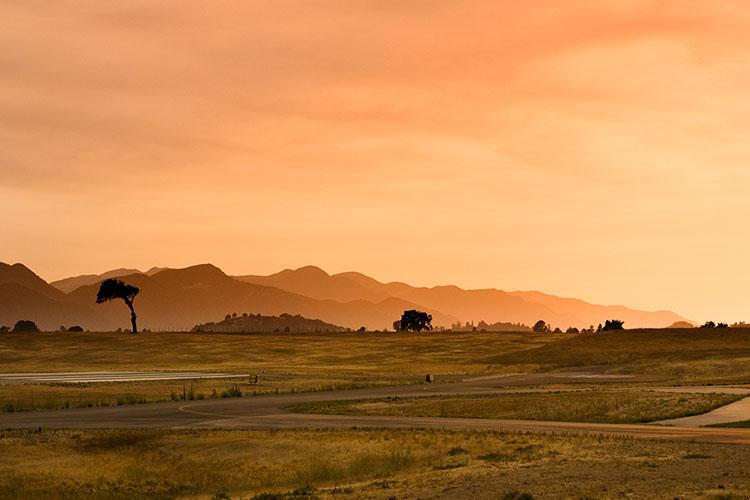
x: 304, y: 362
x: 360, y: 463
x: 287, y: 362
x: 692, y: 356
x: 58, y: 396
x: 324, y: 355
x: 607, y: 406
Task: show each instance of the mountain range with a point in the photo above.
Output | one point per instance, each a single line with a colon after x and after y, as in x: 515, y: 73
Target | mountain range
x: 178, y: 299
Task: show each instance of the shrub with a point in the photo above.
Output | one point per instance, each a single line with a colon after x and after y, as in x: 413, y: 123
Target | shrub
x: 75, y: 328
x: 541, y: 327
x: 25, y: 325
x: 232, y: 392
x: 613, y: 324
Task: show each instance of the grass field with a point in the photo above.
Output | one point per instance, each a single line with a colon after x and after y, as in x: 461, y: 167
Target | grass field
x: 363, y: 464
x: 692, y: 356
x: 607, y: 406
x: 377, y: 463
x: 84, y: 395
x: 673, y: 356
x: 305, y: 362
x: 342, y: 354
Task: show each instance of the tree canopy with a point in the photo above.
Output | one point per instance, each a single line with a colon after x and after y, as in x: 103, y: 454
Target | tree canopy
x: 541, y: 326
x: 112, y: 289
x: 613, y: 324
x: 414, y: 321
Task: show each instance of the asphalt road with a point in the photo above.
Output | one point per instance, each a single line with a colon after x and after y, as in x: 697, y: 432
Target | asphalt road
x: 269, y: 412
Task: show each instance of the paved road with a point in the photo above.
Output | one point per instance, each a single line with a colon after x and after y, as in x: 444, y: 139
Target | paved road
x: 734, y: 412
x: 269, y: 412
x: 88, y: 377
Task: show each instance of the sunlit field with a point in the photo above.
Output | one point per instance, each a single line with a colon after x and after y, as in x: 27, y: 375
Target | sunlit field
x: 318, y: 362
x: 604, y: 406
x: 378, y: 463
x: 364, y: 464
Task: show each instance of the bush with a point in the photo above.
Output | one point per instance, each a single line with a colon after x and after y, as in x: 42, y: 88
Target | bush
x: 541, y: 327
x: 232, y: 392
x: 613, y: 324
x: 75, y: 328
x: 25, y: 325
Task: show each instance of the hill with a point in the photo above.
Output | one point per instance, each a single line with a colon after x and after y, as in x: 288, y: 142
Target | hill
x: 67, y: 285
x: 178, y: 299
x: 256, y: 323
x: 22, y: 275
x: 491, y: 305
x: 18, y: 302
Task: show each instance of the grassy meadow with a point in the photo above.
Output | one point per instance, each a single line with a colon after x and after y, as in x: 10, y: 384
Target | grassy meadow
x: 604, y: 406
x: 682, y: 356
x: 363, y: 464
x: 385, y: 464
x: 290, y: 362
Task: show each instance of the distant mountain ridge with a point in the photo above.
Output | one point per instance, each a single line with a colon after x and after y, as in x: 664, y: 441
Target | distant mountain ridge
x: 67, y: 285
x: 178, y: 299
x: 490, y: 305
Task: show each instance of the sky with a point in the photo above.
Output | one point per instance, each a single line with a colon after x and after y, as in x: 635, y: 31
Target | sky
x: 590, y: 149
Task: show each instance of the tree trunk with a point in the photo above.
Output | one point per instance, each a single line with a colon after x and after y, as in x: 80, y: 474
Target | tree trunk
x: 132, y: 316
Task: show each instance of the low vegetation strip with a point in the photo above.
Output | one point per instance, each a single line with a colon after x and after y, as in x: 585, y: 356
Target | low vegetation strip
x: 56, y: 396
x: 596, y: 406
x: 744, y: 424
x: 116, y: 464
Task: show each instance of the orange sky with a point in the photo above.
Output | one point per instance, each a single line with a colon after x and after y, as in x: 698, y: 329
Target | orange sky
x: 590, y: 149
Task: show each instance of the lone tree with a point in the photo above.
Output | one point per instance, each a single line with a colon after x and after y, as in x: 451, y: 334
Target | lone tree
x: 115, y: 289
x: 613, y: 324
x: 541, y: 327
x: 415, y: 321
x: 25, y: 325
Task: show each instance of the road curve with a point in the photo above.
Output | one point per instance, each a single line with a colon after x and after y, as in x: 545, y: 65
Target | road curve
x: 268, y: 412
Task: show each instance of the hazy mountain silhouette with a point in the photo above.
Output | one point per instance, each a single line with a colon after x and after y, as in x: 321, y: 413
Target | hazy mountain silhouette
x: 182, y: 298
x: 67, y: 285
x: 178, y: 299
x: 591, y: 312
x: 22, y: 275
x: 313, y: 282
x: 19, y: 302
x: 490, y: 305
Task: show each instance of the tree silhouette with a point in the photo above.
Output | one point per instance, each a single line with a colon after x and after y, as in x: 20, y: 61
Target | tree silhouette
x: 415, y: 321
x: 111, y: 289
x: 541, y: 327
x: 613, y: 324
x: 25, y: 325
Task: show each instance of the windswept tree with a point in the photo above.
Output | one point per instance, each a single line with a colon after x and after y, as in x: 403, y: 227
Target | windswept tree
x: 415, y: 321
x: 112, y: 289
